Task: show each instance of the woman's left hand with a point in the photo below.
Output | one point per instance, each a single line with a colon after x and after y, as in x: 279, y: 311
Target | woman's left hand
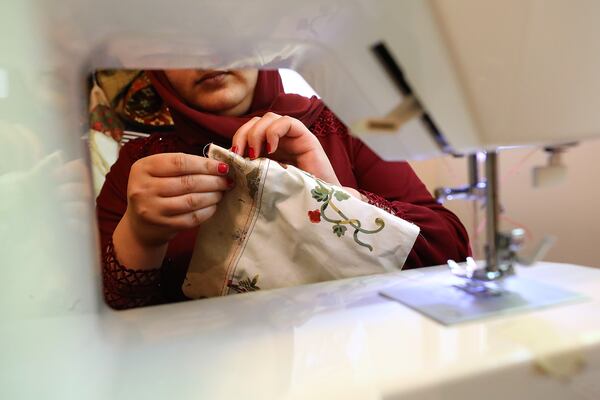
x: 284, y: 139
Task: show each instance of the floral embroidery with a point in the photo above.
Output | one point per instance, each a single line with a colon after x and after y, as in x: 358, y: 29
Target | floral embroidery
x: 323, y: 193
x: 314, y: 216
x: 244, y: 285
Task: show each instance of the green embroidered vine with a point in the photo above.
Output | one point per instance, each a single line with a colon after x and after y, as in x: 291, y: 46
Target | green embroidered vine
x: 326, y: 194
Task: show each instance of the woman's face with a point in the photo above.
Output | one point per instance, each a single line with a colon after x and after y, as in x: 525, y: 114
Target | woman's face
x: 222, y: 92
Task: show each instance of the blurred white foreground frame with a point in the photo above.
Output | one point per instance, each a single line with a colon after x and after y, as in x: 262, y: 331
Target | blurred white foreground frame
x: 293, y: 82
x: 3, y: 84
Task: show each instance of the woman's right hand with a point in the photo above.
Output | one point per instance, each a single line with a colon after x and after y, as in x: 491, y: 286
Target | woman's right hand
x: 166, y: 193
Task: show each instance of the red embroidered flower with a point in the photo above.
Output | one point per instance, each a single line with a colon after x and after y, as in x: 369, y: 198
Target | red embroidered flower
x: 314, y: 216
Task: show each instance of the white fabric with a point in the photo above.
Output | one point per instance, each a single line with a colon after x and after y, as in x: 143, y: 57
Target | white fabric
x: 262, y: 236
x: 104, y: 152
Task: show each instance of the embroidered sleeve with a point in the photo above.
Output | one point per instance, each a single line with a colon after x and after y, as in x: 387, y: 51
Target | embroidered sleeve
x: 127, y: 288
x: 328, y: 124
x: 380, y: 202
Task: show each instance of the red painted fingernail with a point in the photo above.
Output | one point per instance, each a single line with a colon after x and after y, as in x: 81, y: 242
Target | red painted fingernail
x: 229, y: 182
x: 251, y: 152
x: 234, y: 149
x: 268, y: 148
x: 223, y: 168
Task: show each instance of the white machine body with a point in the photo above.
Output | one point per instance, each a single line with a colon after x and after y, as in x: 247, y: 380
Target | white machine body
x: 488, y: 73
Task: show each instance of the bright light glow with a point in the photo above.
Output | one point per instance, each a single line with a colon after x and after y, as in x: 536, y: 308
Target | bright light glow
x: 294, y: 83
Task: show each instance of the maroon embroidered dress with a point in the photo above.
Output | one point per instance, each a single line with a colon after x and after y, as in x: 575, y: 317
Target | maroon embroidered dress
x: 392, y: 186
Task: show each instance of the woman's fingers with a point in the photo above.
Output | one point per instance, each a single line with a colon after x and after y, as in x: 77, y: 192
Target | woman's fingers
x: 265, y: 134
x: 169, y: 192
x: 181, y: 185
x: 256, y: 135
x: 185, y: 221
x: 179, y: 164
x: 192, y: 219
x: 188, y: 203
x: 239, y: 142
x: 284, y: 126
x: 168, y: 211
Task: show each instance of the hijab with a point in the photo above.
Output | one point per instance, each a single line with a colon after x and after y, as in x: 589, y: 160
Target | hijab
x: 195, y: 126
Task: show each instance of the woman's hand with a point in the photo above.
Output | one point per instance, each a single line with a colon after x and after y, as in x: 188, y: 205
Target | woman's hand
x: 284, y: 139
x: 166, y: 193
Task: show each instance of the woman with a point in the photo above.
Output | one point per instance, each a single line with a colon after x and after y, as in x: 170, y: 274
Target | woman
x: 161, y: 190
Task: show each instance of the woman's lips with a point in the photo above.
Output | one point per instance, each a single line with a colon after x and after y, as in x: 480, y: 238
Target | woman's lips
x: 212, y: 77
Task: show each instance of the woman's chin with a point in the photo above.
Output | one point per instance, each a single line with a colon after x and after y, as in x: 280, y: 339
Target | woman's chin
x: 220, y: 107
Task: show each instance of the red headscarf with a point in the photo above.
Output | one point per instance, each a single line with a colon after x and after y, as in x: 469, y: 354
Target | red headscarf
x: 195, y: 126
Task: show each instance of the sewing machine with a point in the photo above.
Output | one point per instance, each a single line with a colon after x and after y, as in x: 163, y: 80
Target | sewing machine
x: 414, y: 79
